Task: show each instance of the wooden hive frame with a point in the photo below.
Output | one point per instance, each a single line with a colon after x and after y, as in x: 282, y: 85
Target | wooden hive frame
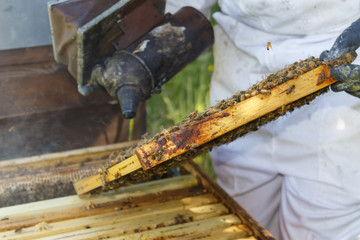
x: 189, y: 206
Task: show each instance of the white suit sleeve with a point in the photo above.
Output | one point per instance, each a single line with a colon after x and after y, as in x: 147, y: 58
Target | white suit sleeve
x: 203, y: 6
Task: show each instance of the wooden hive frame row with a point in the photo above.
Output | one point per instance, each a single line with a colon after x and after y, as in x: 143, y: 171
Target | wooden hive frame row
x: 189, y: 206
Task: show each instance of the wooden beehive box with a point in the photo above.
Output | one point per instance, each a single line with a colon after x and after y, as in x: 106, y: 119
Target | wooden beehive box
x: 42, y: 113
x: 187, y: 206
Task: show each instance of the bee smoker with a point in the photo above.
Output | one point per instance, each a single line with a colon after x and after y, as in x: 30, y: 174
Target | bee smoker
x: 129, y: 49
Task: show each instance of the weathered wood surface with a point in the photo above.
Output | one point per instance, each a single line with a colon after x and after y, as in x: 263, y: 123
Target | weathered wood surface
x: 73, y: 207
x: 212, y: 127
x: 189, y: 206
x: 173, y: 208
x: 90, y: 183
x: 42, y: 112
x: 51, y: 175
x: 259, y: 232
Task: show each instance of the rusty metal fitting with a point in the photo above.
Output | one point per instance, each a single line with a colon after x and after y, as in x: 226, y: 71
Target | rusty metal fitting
x: 152, y: 60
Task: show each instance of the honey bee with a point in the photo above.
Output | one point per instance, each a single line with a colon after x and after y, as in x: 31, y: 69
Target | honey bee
x: 103, y: 181
x: 193, y: 114
x: 18, y: 230
x: 231, y: 103
x: 113, y: 155
x: 254, y: 93
x: 290, y: 75
x: 265, y: 91
x: 312, y: 65
x: 290, y: 89
x: 174, y: 129
x: 210, y: 111
x: 193, y: 145
x: 268, y: 46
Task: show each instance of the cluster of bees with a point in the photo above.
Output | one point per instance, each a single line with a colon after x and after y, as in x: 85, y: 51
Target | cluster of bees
x: 263, y: 87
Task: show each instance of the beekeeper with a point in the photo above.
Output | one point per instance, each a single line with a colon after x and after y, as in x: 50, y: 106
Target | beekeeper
x: 299, y: 175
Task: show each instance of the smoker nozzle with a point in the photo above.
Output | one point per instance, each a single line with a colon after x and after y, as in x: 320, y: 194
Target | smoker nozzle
x: 124, y: 77
x: 129, y: 98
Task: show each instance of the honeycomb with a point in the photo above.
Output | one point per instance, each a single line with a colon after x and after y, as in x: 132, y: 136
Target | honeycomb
x: 263, y: 87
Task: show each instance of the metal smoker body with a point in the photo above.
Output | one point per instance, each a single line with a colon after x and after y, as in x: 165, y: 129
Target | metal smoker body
x: 129, y: 49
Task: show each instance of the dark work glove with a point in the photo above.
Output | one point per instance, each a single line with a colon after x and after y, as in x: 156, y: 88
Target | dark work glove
x: 347, y: 75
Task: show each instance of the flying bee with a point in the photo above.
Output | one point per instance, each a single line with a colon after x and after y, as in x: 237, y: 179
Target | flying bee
x: 268, y: 46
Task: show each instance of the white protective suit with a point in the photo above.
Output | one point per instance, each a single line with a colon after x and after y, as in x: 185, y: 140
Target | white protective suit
x: 298, y: 176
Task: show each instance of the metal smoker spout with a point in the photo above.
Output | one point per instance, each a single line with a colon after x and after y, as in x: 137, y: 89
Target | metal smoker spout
x: 132, y: 69
x: 126, y: 78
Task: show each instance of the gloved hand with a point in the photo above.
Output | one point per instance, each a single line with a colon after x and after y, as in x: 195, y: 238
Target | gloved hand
x: 348, y: 76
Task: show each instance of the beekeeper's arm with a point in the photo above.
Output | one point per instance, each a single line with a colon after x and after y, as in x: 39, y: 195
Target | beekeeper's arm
x: 348, y: 76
